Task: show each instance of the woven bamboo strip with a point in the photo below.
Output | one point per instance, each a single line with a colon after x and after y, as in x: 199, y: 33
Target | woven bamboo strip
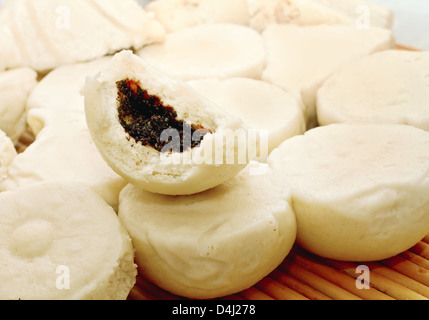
x: 414, y: 258
x: 279, y: 291
x: 138, y: 294
x: 255, y: 294
x: 426, y: 239
x: 407, y: 48
x: 379, y: 281
x: 317, y: 282
x: 25, y: 140
x: 421, y: 249
x: 409, y: 269
x: 299, y: 286
x: 154, y: 290
x: 401, y: 279
x: 232, y: 297
x: 339, y: 278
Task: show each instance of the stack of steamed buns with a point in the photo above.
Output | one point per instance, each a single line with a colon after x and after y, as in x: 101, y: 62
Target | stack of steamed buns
x: 196, y: 142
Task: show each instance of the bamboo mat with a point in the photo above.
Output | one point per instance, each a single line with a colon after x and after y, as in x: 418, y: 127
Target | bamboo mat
x: 305, y: 276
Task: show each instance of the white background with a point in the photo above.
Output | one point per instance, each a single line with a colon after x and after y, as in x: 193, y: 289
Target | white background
x: 411, y: 25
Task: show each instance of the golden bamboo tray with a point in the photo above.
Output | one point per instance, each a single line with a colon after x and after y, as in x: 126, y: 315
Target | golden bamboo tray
x: 305, y: 276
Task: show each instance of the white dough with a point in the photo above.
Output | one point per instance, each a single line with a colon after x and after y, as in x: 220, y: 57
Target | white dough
x: 359, y: 191
x: 214, y: 243
x: 219, y: 157
x: 301, y: 58
x: 63, y: 151
x: 57, y: 32
x: 356, y: 13
x: 176, y: 15
x: 267, y: 109
x: 60, y: 89
x: 7, y: 154
x: 15, y: 87
x: 386, y: 87
x: 262, y: 13
x: 208, y: 51
x: 60, y: 241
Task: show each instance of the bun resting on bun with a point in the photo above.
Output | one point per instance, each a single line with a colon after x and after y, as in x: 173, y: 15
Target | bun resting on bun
x: 359, y: 191
x: 214, y: 243
x: 159, y: 133
x: 61, y: 241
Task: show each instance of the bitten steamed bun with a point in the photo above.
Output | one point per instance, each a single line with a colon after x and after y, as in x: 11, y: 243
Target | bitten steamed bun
x: 387, y: 87
x: 214, y: 243
x: 159, y: 133
x: 359, y: 191
x: 61, y: 241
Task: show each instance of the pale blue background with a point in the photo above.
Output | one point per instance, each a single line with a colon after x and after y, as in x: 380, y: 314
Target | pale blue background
x: 411, y: 20
x: 411, y: 24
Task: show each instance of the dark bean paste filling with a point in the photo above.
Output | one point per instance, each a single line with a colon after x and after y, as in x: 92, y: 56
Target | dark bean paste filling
x: 145, y: 117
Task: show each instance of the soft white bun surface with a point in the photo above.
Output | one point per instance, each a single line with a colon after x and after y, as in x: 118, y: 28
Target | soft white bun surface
x: 218, y: 50
x: 7, y: 154
x: 60, y: 89
x: 214, y: 243
x: 15, y: 87
x: 52, y: 33
x: 61, y: 241
x: 63, y: 151
x: 220, y: 155
x: 176, y: 15
x: 359, y: 191
x: 386, y: 87
x: 276, y: 114
x: 300, y: 59
x: 357, y: 13
x: 259, y: 14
